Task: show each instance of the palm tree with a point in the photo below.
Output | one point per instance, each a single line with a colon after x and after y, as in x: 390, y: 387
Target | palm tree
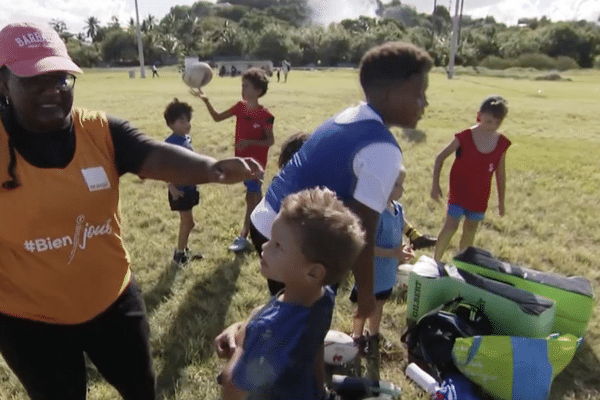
x: 92, y: 25
x: 58, y: 25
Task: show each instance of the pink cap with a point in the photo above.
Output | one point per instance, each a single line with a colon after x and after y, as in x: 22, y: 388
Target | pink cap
x: 28, y: 49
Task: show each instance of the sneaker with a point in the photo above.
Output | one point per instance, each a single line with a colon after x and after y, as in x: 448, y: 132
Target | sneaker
x: 372, y: 344
x: 239, y: 244
x: 180, y: 258
x: 423, y: 242
x: 360, y: 342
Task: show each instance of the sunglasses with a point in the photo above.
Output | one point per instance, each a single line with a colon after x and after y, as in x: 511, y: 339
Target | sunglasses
x: 63, y: 82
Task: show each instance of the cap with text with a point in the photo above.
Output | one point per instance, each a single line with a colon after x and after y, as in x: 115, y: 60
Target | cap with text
x: 29, y: 49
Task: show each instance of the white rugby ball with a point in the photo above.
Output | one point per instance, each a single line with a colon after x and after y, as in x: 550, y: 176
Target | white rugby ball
x: 339, y: 348
x: 197, y: 75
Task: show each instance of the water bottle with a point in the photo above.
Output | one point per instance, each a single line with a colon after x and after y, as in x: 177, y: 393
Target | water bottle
x: 422, y: 378
x: 358, y: 388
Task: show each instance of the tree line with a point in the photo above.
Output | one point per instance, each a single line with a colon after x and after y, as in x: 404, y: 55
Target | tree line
x: 282, y: 29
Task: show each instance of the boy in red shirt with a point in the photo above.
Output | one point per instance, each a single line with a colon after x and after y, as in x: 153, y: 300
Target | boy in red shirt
x: 253, y: 137
x: 480, y: 152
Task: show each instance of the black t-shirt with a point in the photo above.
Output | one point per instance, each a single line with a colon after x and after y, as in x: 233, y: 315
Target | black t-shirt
x: 56, y: 149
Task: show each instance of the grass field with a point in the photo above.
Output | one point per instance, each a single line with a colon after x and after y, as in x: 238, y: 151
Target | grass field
x: 552, y: 220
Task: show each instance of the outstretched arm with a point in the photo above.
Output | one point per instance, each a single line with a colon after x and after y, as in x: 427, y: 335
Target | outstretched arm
x: 216, y: 116
x: 501, y: 183
x: 180, y: 166
x: 436, y: 191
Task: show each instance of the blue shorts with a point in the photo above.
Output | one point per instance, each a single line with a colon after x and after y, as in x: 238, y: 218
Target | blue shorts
x: 254, y: 185
x: 378, y: 296
x: 458, y: 211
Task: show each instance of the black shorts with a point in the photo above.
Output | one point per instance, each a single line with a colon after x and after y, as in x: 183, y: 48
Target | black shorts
x: 185, y: 202
x: 379, y: 296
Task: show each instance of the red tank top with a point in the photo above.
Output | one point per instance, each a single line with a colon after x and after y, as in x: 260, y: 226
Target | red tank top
x: 61, y: 255
x: 251, y: 125
x: 472, y: 171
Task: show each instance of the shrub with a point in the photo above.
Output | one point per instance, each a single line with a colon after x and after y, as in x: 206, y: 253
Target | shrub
x: 564, y: 63
x: 493, y: 62
x: 536, y: 60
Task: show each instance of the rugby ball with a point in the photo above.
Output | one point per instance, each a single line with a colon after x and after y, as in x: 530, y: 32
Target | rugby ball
x: 197, y: 75
x: 339, y: 348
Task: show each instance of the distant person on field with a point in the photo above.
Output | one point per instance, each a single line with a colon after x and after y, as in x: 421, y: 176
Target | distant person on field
x: 278, y: 74
x: 285, y: 67
x: 355, y: 154
x: 154, y: 71
x: 480, y: 152
x: 277, y: 353
x: 178, y: 116
x: 389, y: 253
x: 253, y: 137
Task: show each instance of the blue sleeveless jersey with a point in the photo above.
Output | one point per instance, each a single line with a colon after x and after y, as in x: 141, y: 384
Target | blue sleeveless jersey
x: 326, y: 159
x: 388, y: 236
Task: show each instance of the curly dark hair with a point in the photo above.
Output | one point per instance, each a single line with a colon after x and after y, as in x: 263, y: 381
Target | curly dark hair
x: 176, y: 109
x: 392, y: 61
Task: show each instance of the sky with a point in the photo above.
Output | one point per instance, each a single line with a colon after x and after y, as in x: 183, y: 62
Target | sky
x: 75, y: 12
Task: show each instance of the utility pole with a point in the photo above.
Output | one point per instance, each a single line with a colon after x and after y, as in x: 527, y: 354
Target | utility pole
x: 454, y: 43
x: 462, y: 6
x: 139, y: 40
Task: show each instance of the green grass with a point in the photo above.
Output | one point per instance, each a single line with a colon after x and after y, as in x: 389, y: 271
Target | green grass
x: 552, y: 221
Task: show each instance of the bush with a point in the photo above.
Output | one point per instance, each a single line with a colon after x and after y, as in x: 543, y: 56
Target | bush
x: 493, y: 62
x: 564, y: 63
x: 597, y: 62
x: 536, y: 60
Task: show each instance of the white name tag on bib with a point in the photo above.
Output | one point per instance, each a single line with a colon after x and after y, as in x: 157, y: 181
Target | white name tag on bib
x: 95, y: 178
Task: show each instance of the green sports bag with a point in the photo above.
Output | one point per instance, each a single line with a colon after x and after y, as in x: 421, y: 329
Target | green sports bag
x: 514, y: 368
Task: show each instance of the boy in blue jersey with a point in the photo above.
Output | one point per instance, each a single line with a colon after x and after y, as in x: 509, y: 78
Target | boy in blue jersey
x: 178, y: 116
x: 278, y: 352
x: 389, y: 252
x: 355, y: 154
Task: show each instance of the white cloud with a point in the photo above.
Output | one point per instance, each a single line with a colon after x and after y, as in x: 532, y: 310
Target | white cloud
x: 75, y: 12
x: 72, y: 12
x: 327, y: 11
x: 574, y: 10
x: 509, y: 11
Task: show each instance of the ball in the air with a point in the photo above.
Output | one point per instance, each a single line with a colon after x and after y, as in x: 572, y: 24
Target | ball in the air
x: 197, y: 75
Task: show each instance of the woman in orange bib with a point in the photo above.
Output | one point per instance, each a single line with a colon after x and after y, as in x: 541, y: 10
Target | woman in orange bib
x: 66, y: 286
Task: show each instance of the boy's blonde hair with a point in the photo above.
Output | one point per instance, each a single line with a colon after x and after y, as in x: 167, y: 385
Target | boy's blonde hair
x: 330, y: 234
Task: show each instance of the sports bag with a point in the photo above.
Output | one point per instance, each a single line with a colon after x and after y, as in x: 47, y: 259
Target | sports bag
x: 514, y: 368
x: 431, y: 339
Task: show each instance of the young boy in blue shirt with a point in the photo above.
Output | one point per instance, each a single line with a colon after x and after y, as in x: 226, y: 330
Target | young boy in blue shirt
x: 278, y: 352
x: 182, y: 198
x: 389, y: 252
